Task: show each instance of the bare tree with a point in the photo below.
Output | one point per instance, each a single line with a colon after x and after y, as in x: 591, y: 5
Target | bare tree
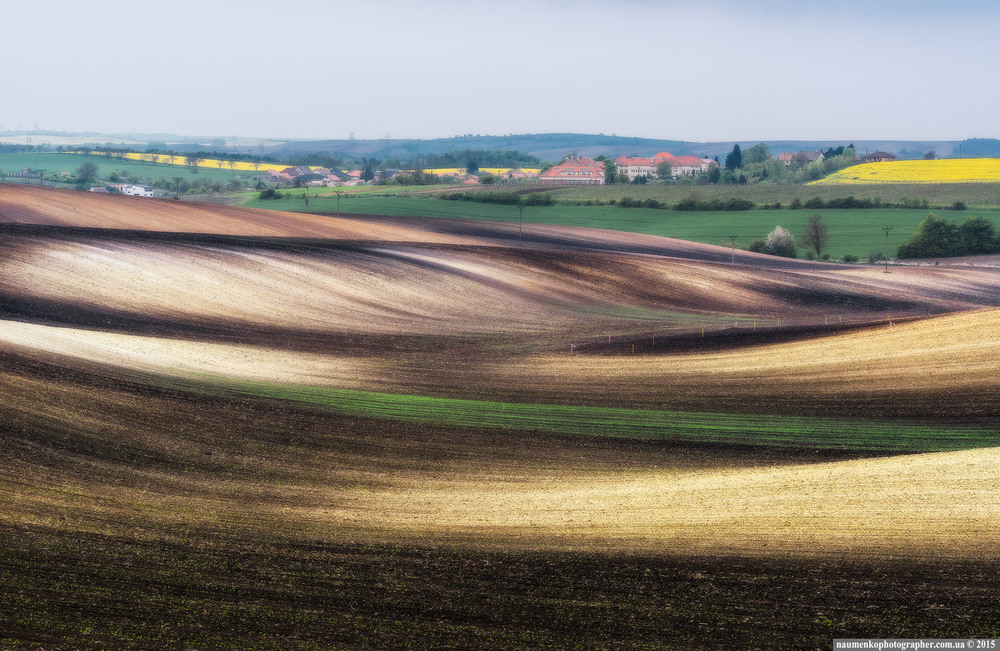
x: 816, y: 234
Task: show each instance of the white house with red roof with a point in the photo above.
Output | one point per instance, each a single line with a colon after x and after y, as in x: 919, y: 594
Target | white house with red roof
x: 691, y: 165
x: 635, y: 166
x: 574, y: 171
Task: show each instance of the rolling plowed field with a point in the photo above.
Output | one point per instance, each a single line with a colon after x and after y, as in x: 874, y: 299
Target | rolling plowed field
x: 174, y: 373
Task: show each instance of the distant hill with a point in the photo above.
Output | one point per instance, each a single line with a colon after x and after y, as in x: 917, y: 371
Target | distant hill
x: 546, y: 146
x: 554, y: 146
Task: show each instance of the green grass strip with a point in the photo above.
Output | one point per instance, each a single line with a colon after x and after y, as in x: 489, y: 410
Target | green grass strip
x: 677, y: 426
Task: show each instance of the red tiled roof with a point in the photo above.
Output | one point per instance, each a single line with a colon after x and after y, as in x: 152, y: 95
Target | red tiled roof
x: 635, y: 160
x: 693, y: 161
x: 582, y: 167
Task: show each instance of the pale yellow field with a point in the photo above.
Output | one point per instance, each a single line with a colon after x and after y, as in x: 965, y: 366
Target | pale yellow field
x: 961, y: 170
x: 945, y: 504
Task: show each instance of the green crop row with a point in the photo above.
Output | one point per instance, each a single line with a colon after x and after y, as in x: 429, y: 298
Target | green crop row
x: 674, y: 426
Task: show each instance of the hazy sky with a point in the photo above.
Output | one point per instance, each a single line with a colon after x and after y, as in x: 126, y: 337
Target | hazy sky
x: 712, y: 70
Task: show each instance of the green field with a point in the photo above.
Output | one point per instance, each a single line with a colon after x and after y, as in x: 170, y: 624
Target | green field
x: 856, y: 232
x: 980, y: 195
x: 792, y: 432
x: 54, y: 163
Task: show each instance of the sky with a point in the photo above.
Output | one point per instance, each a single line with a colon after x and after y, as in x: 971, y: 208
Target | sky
x: 714, y: 70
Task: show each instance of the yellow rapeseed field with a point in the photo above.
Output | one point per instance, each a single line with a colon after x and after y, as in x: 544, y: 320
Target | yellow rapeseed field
x: 953, y: 170
x: 244, y: 166
x: 241, y: 166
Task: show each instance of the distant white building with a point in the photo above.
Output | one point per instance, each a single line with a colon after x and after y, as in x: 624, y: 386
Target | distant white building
x: 137, y: 190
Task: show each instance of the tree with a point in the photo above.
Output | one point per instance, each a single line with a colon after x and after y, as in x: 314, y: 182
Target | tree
x: 664, y: 170
x: 756, y: 154
x: 86, y: 172
x: 978, y: 236
x: 780, y: 242
x: 934, y: 238
x: 610, y: 172
x: 368, y: 169
x: 816, y: 235
x: 471, y: 167
x: 734, y: 160
x: 193, y: 160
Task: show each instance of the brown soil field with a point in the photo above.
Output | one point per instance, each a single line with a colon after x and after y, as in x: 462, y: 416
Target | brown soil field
x: 119, y: 320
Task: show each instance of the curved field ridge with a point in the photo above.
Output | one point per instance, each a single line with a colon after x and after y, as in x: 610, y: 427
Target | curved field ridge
x: 68, y: 208
x: 953, y: 170
x: 945, y: 504
x: 945, y: 366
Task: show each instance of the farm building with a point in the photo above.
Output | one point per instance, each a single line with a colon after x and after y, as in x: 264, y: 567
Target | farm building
x: 134, y: 190
x: 878, y: 157
x: 574, y: 171
x: 800, y: 158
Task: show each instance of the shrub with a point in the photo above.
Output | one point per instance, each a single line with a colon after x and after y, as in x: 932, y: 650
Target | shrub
x: 780, y: 242
x: 850, y: 258
x: 539, y: 199
x: 977, y: 236
x: 934, y: 238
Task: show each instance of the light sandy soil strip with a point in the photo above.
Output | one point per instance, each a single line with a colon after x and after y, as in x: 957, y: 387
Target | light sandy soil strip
x: 935, y: 505
x: 177, y: 358
x: 947, y: 352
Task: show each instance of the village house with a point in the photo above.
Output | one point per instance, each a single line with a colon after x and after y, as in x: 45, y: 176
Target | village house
x: 574, y: 171
x: 800, y: 158
x: 878, y: 157
x: 275, y: 176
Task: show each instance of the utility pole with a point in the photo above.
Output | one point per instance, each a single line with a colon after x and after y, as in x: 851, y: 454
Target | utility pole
x: 41, y: 177
x: 338, y: 193
x: 177, y: 182
x: 886, y: 229
x: 520, y: 216
x: 733, y: 238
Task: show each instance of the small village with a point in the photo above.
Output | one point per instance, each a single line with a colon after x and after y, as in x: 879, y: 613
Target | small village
x: 572, y: 171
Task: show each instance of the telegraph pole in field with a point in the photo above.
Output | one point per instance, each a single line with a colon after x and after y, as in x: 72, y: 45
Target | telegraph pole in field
x: 520, y: 220
x: 886, y: 229
x: 733, y: 238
